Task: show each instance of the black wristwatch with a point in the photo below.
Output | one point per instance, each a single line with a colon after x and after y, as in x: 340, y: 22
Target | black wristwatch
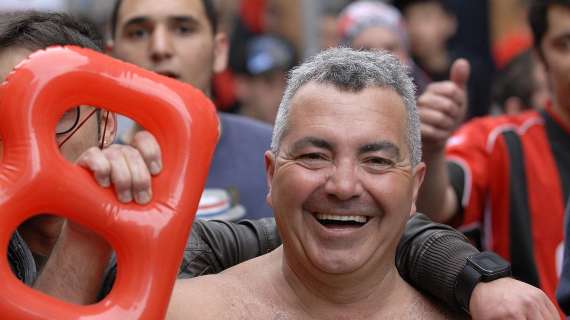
x: 484, y: 266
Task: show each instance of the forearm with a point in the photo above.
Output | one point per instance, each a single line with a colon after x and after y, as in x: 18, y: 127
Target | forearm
x: 437, y: 198
x: 75, y: 269
x: 431, y: 256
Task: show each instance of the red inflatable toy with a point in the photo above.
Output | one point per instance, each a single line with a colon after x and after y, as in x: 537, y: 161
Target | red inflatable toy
x: 35, y: 178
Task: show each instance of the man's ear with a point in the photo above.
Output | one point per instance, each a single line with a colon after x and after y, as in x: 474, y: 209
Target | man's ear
x: 107, y: 128
x: 269, y: 172
x: 418, y: 178
x: 221, y: 48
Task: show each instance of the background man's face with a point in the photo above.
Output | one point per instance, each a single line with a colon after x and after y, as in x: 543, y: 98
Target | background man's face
x: 170, y: 37
x: 429, y: 27
x: 83, y: 139
x: 380, y: 38
x: 556, y: 52
x: 344, y: 154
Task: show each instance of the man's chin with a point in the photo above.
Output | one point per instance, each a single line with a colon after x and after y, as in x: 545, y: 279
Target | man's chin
x: 337, y: 262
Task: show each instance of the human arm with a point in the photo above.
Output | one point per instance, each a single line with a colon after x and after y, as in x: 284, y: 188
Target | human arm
x: 76, y: 266
x: 432, y: 257
x: 216, y: 245
x: 507, y: 298
x: 442, y: 108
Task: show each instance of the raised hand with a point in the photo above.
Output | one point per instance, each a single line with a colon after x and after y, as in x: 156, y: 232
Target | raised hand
x: 442, y: 107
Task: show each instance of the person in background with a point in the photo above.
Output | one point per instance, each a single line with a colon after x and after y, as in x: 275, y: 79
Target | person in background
x: 370, y: 25
x: 506, y: 179
x: 261, y: 79
x: 431, y: 24
x: 521, y: 85
x: 180, y: 39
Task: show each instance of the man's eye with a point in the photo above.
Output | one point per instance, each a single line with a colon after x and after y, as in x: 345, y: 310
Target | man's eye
x: 138, y: 33
x: 378, y: 161
x: 563, y: 43
x: 183, y: 30
x: 312, y: 156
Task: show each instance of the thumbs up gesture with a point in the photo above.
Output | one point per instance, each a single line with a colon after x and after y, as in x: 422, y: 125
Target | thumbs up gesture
x: 442, y: 107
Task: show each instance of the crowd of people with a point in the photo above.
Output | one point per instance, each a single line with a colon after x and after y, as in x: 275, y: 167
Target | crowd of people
x: 339, y: 182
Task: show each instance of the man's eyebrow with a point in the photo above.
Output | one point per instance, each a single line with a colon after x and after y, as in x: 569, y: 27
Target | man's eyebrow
x: 179, y: 19
x: 386, y: 146
x: 184, y: 19
x: 136, y: 20
x: 312, y: 142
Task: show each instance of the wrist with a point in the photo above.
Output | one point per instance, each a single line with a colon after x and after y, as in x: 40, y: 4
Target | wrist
x: 480, y: 267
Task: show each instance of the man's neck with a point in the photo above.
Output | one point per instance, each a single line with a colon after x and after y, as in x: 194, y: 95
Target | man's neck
x: 363, y: 294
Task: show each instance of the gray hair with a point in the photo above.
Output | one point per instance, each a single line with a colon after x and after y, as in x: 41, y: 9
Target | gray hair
x: 353, y: 70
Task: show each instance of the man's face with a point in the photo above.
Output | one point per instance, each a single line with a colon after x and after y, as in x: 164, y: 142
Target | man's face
x: 260, y: 95
x: 429, y: 27
x: 556, y: 52
x: 170, y: 37
x: 83, y: 139
x: 380, y: 38
x: 341, y: 184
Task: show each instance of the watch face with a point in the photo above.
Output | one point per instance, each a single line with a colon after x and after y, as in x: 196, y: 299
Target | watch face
x: 489, y: 263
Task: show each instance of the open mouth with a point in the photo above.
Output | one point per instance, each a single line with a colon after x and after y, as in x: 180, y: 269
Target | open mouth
x: 341, y: 221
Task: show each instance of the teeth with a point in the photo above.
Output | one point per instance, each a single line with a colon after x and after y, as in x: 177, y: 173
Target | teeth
x: 359, y: 219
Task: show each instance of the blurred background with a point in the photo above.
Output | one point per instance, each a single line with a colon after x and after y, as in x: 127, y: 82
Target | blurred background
x: 268, y: 37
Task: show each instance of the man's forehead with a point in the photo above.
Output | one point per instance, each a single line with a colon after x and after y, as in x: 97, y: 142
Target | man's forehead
x: 372, y: 104
x: 160, y: 10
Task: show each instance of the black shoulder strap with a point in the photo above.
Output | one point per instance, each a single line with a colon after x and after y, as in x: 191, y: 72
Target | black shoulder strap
x: 521, y: 247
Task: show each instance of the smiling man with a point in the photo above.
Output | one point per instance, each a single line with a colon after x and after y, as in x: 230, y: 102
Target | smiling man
x: 344, y: 171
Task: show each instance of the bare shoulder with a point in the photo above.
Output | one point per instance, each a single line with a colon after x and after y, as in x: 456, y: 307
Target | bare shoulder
x: 237, y: 293
x: 199, y: 297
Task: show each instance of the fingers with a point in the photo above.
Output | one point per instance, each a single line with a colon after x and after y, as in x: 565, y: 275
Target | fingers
x: 120, y: 173
x: 139, y: 175
x: 148, y: 147
x: 124, y: 168
x: 548, y: 309
x: 437, y: 118
x: 448, y: 90
x: 459, y: 73
x: 94, y: 160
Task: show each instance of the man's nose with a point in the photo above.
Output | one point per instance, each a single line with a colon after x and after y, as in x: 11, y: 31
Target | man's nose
x: 344, y: 182
x: 161, y: 44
